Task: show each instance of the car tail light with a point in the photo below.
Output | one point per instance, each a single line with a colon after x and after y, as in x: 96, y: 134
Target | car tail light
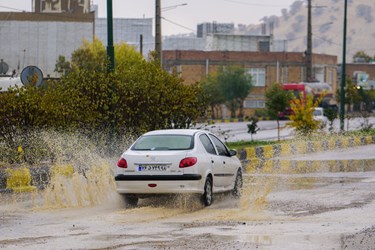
x: 188, y: 162
x: 122, y: 163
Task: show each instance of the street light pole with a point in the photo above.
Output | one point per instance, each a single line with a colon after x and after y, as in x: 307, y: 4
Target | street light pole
x: 110, y: 68
x: 158, y: 47
x: 309, y: 44
x: 110, y: 48
x: 343, y: 71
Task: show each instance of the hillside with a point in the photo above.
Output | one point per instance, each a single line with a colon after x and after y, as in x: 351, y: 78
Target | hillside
x: 327, y: 27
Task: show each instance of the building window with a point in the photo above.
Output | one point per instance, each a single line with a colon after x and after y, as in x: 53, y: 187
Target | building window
x: 258, y: 76
x: 303, y: 74
x: 179, y: 70
x: 331, y: 76
x: 284, y: 74
x: 254, y: 104
x: 264, y: 46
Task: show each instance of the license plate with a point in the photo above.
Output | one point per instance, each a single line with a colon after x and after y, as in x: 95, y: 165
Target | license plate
x: 152, y: 168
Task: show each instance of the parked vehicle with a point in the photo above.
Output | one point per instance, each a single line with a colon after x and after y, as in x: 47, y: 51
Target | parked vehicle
x: 315, y: 89
x: 318, y: 115
x: 178, y: 161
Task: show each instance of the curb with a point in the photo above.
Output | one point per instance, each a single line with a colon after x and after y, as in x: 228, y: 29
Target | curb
x: 23, y: 179
x: 28, y: 179
x: 265, y: 153
x: 227, y: 120
x: 309, y: 166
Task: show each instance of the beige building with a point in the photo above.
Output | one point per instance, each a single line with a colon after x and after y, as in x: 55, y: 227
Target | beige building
x: 266, y: 68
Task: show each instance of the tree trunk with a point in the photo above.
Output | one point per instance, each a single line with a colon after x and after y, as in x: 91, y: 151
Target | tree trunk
x: 278, y: 129
x: 240, y: 115
x: 213, y: 112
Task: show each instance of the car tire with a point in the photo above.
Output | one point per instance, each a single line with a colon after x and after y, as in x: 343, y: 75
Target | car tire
x: 131, y: 201
x: 207, y: 194
x: 237, y: 190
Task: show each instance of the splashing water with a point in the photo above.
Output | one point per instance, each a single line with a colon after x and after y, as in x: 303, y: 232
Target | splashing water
x: 79, y: 175
x: 93, y: 187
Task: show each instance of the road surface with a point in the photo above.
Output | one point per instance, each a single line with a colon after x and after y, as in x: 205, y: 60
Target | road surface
x: 237, y: 131
x: 323, y: 210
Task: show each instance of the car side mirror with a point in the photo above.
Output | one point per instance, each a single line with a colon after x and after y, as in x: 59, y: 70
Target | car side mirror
x: 232, y: 152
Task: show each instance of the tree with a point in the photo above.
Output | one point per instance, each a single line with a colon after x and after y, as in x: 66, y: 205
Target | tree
x: 253, y: 126
x: 138, y: 96
x: 331, y: 115
x: 214, y: 96
x: 362, y: 54
x: 235, y: 86
x: 277, y: 100
x: 91, y: 56
x: 302, y: 118
x: 352, y: 96
x: 62, y: 66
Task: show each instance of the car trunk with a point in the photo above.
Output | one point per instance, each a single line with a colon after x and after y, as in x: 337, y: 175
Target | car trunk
x: 155, y: 162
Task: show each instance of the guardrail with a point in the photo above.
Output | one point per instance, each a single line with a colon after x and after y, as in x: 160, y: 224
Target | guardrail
x: 258, y: 157
x: 26, y: 179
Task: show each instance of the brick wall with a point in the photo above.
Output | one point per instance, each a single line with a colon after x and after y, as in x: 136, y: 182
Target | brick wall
x: 193, y: 66
x: 368, y: 68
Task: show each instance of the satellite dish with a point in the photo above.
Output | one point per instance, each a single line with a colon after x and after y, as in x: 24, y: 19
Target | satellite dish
x: 31, y: 75
x: 3, y: 67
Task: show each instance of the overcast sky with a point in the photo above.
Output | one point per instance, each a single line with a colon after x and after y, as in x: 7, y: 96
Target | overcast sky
x: 181, y: 18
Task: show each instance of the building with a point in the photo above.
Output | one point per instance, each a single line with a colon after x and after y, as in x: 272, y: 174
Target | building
x: 128, y: 30
x: 39, y: 38
x: 224, y: 37
x: 203, y: 29
x: 362, y: 74
x: 58, y: 27
x: 266, y: 68
x: 61, y: 6
x: 224, y: 42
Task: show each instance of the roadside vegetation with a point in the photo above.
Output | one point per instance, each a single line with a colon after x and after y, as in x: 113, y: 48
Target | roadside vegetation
x: 111, y: 108
x: 315, y: 137
x: 106, y: 108
x: 229, y: 86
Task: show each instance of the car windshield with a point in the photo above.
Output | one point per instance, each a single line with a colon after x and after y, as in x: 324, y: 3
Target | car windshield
x: 317, y: 112
x: 164, y: 142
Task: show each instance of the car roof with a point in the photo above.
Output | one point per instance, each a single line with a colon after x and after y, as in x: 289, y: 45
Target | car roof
x: 174, y: 131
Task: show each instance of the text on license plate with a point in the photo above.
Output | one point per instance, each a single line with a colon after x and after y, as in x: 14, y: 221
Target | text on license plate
x: 152, y: 168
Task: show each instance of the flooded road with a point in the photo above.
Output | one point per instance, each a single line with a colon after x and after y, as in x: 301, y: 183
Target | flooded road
x: 320, y: 210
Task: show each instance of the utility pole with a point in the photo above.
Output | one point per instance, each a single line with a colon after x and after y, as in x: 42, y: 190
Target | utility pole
x: 110, y: 48
x: 343, y: 71
x: 309, y: 76
x: 158, y: 47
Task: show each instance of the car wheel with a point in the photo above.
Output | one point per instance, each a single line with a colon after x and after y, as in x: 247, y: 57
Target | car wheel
x: 207, y: 195
x: 131, y: 201
x: 237, y: 190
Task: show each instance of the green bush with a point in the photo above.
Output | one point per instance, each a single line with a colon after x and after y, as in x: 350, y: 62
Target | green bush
x: 138, y: 96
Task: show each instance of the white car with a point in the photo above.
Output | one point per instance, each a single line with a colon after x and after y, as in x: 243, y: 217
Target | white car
x: 319, y: 116
x: 178, y: 161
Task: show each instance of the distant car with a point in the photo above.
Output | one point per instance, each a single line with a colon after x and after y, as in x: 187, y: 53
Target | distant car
x: 318, y: 115
x: 178, y: 161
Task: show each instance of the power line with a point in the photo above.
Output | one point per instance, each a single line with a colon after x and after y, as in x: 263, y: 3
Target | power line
x: 255, y: 4
x: 10, y: 8
x: 328, y: 41
x: 178, y: 24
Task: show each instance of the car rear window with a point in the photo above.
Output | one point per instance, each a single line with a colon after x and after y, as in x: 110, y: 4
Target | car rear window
x: 317, y: 112
x: 164, y: 142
